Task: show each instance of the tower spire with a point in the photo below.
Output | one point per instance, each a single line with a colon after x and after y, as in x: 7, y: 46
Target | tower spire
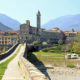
x: 38, y: 22
x: 38, y: 19
x: 38, y: 14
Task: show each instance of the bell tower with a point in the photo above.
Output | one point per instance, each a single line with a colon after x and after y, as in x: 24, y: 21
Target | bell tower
x: 38, y: 20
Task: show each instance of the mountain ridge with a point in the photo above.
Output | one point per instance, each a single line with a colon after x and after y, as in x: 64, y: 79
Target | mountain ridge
x: 10, y: 22
x: 65, y: 23
x: 4, y: 27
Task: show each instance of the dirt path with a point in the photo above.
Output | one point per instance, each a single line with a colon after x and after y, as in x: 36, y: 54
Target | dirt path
x: 13, y: 72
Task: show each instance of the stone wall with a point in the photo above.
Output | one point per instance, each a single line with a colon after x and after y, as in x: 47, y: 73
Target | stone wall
x: 51, y: 36
x: 30, y: 72
x: 7, y: 53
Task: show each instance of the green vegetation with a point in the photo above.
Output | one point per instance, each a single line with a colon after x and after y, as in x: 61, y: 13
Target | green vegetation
x: 70, y: 65
x: 19, y: 64
x: 36, y: 42
x: 56, y: 55
x: 74, y: 46
x: 55, y: 49
x: 44, y: 43
x: 3, y: 50
x: 24, y: 77
x: 56, y: 59
x: 60, y: 42
x: 3, y: 66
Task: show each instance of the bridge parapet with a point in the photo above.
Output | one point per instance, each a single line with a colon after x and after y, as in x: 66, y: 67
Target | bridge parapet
x: 7, y: 53
x: 30, y: 72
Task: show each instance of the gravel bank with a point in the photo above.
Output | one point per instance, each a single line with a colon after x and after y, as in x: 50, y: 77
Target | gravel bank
x: 60, y: 73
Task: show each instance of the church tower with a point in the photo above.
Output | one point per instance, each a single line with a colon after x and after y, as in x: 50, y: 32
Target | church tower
x: 38, y: 20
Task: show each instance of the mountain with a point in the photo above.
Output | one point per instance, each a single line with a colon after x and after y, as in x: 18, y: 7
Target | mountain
x: 65, y: 23
x: 12, y: 23
x: 4, y: 27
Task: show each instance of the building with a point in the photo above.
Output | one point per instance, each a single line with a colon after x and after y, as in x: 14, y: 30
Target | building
x: 5, y: 42
x: 53, y: 35
x: 15, y: 35
x: 29, y: 33
x: 8, y: 39
x: 71, y: 36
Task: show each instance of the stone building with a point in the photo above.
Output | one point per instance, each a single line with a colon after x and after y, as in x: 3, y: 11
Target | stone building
x: 52, y: 35
x: 29, y: 33
x: 71, y: 36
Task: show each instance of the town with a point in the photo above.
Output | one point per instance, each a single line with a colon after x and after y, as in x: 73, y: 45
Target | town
x: 39, y: 40
x: 30, y: 34
x: 55, y: 43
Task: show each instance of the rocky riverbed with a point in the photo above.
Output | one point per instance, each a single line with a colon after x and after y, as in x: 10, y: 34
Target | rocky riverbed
x: 62, y: 73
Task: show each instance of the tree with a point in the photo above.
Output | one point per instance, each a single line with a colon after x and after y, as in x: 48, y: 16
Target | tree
x: 60, y: 42
x: 76, y: 45
x: 35, y: 42
x: 67, y: 47
x: 3, y: 50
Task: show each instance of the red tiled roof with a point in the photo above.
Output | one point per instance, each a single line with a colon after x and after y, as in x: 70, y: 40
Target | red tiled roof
x: 15, y: 32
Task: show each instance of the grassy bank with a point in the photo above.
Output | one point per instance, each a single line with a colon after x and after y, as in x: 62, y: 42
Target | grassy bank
x: 56, y: 59
x: 50, y: 58
x: 3, y: 66
x: 56, y: 49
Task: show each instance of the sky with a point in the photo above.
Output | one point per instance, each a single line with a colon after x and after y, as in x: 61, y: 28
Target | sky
x: 23, y: 10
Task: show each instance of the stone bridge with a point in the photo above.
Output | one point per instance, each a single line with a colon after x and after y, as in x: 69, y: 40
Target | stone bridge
x: 20, y: 68
x: 9, y: 52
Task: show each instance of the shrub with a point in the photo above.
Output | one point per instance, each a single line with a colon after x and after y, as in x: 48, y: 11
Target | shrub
x: 3, y: 50
x: 35, y: 42
x: 70, y: 65
x: 56, y: 49
x: 72, y: 50
x: 44, y: 43
x: 60, y: 42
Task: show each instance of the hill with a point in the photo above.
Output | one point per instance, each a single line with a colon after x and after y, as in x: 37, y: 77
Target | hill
x: 8, y: 21
x: 65, y: 23
x: 4, y: 27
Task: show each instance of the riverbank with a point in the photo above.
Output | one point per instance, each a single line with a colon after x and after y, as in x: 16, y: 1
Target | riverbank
x: 64, y: 73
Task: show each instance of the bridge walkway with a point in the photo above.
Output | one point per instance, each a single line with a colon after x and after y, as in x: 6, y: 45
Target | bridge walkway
x: 13, y: 72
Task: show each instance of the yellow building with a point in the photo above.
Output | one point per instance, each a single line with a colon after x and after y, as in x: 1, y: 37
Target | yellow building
x: 5, y: 40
